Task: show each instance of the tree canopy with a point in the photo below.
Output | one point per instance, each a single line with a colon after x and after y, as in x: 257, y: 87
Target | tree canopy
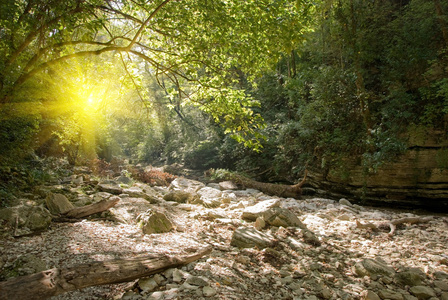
x: 196, y: 50
x: 312, y: 83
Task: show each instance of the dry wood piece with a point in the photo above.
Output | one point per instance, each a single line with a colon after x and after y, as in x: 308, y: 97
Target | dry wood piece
x: 53, y: 282
x: 393, y: 224
x: 366, y: 226
x: 87, y: 210
x: 281, y: 190
x: 411, y: 220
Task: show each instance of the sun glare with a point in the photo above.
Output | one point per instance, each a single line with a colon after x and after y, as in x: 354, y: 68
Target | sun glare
x: 93, y: 101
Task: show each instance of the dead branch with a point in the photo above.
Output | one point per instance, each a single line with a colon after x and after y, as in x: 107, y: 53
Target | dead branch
x: 393, y: 224
x: 54, y: 282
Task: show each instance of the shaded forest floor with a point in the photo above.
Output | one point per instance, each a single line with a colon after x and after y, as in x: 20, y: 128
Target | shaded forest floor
x: 347, y: 262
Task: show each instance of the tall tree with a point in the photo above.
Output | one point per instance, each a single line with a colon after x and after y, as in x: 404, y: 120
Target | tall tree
x: 196, y: 45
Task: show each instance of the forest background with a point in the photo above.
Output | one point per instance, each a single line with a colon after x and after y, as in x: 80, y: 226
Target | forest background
x: 268, y: 88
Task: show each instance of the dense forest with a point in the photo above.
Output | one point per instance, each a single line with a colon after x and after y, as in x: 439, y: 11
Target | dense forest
x: 269, y: 88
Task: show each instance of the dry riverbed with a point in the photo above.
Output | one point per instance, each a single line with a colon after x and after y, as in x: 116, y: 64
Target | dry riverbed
x: 341, y: 261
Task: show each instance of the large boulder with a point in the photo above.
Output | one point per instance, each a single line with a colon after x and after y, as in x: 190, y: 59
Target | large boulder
x: 210, y: 197
x: 227, y: 185
x: 128, y: 211
x: 58, y: 204
x: 186, y: 185
x: 251, y: 213
x: 278, y: 216
x: 26, y: 218
x: 24, y: 265
x: 154, y: 222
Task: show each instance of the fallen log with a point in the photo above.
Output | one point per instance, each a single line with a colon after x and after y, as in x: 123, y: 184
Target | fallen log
x: 87, y: 210
x: 392, y: 225
x: 56, y: 281
x: 281, y: 190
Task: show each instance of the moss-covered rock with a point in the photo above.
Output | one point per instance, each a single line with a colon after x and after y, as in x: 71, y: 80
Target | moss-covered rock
x: 154, y: 222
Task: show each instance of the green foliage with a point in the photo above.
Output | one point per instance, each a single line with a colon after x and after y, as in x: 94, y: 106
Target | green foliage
x: 352, y: 91
x: 204, y: 156
x: 195, y: 49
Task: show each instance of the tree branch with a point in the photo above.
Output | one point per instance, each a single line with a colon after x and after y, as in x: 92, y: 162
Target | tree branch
x: 137, y: 35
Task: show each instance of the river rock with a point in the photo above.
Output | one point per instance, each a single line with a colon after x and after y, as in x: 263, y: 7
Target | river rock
x: 443, y: 285
x: 371, y: 296
x: 187, y: 185
x: 147, y: 284
x: 281, y: 217
x: 227, y: 185
x: 259, y: 223
x: 373, y: 268
x: 388, y: 294
x: 411, y: 277
x: 440, y: 275
x: 58, y: 204
x: 156, y: 296
x: 196, y: 280
x: 179, y: 275
x: 180, y: 196
x: 24, y: 265
x: 344, y: 201
x: 248, y: 237
x: 124, y: 180
x: 209, y: 192
x: 110, y: 188
x: 134, y: 192
x: 154, y: 222
x: 27, y: 218
x: 251, y: 213
x: 422, y: 292
x: 208, y: 291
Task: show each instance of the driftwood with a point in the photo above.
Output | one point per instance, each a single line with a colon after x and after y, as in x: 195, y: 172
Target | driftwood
x: 281, y: 190
x: 54, y: 282
x: 87, y: 210
x: 393, y: 224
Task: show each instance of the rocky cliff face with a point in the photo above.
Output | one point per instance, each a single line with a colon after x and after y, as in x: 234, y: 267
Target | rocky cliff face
x: 418, y: 178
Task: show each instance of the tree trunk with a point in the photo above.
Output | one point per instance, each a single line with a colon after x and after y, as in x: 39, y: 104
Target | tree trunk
x: 53, y: 282
x: 281, y: 190
x: 87, y: 210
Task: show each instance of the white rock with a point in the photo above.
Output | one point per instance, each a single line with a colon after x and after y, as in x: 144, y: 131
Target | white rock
x: 147, y: 284
x: 252, y: 212
x: 179, y: 275
x: 209, y: 193
x: 155, y: 296
x: 344, y: 201
x: 169, y: 273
